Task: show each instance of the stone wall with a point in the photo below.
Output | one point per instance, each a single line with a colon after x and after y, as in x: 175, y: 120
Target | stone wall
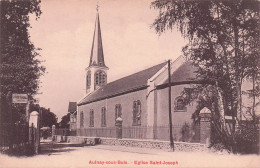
x: 76, y: 139
x: 152, y: 144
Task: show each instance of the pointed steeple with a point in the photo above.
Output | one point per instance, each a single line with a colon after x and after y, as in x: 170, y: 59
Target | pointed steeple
x: 97, y: 55
x: 96, y: 72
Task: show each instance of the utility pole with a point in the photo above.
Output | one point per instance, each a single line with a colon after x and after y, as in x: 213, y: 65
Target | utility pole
x: 170, y: 104
x: 40, y: 112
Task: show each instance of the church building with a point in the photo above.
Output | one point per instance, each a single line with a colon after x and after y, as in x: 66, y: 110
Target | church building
x: 135, y: 99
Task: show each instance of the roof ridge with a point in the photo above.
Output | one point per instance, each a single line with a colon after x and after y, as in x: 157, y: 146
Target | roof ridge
x: 135, y: 73
x: 115, y: 94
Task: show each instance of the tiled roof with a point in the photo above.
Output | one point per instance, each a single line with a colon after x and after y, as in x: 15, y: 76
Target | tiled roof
x: 185, y: 72
x: 72, y: 107
x: 124, y: 85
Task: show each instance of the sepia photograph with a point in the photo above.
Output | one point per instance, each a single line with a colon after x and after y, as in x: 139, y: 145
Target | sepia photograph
x: 130, y: 83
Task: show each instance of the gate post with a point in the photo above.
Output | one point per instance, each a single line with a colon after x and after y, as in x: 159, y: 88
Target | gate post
x: 34, y: 131
x: 31, y: 138
x: 53, y: 132
x: 205, y: 127
x: 119, y: 121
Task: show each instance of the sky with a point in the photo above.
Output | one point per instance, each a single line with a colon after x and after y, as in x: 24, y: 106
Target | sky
x: 65, y: 31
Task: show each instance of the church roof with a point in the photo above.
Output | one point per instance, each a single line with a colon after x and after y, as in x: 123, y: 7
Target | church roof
x: 136, y: 81
x: 186, y: 72
x: 72, y: 107
x: 97, y: 55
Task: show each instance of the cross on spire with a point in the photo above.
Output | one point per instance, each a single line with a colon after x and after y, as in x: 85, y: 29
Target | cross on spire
x: 97, y: 6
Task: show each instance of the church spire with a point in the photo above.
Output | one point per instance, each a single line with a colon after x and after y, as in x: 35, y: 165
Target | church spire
x: 97, y: 55
x: 96, y: 72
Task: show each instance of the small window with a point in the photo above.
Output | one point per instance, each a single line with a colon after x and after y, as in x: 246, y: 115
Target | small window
x: 179, y: 105
x: 100, y: 78
x: 103, y: 117
x: 97, y: 81
x: 104, y: 78
x: 137, y: 112
x: 118, y: 111
x: 81, y: 119
x: 91, y: 118
x: 88, y: 79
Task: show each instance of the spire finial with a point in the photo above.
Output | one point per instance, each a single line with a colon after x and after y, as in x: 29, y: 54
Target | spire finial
x: 97, y: 6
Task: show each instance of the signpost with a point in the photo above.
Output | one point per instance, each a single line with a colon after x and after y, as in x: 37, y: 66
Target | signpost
x: 19, y: 98
x: 14, y: 98
x: 33, y: 122
x: 10, y: 137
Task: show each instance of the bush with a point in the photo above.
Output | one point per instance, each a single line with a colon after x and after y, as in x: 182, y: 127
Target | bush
x: 246, y: 139
x: 186, y: 133
x: 243, y: 141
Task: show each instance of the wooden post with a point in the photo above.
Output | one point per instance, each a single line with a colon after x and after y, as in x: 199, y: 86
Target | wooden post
x: 40, y: 111
x: 258, y: 138
x: 9, y: 102
x: 170, y: 104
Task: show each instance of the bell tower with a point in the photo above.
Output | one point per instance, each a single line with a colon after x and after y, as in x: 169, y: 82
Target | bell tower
x: 96, y: 72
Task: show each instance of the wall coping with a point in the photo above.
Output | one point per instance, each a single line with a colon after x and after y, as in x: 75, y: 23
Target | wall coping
x: 142, y: 140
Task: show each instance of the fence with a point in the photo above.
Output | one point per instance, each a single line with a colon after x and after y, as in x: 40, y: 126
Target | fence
x: 184, y: 133
x: 13, y: 136
x: 65, y: 132
x: 108, y: 132
x: 136, y: 132
x: 45, y: 133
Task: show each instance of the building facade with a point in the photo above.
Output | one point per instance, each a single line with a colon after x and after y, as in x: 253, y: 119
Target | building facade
x: 72, y: 110
x: 144, y: 110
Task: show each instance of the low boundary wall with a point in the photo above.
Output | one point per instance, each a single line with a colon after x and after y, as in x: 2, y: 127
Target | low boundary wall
x: 147, y: 143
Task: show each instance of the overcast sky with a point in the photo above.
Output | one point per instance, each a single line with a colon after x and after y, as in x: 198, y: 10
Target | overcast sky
x: 65, y: 30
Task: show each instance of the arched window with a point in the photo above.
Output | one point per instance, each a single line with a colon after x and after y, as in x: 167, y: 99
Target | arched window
x: 137, y: 112
x: 104, y: 78
x: 96, y: 79
x: 103, y: 117
x: 118, y: 111
x: 179, y: 105
x: 88, y: 79
x: 81, y: 119
x: 100, y: 78
x: 91, y: 118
